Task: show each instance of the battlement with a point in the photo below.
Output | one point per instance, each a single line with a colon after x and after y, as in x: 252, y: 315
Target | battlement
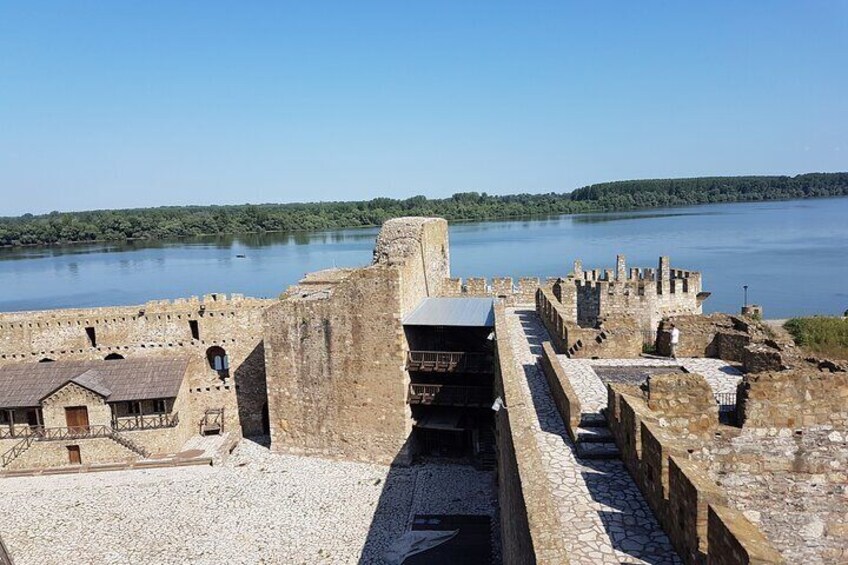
x: 208, y: 302
x: 522, y: 291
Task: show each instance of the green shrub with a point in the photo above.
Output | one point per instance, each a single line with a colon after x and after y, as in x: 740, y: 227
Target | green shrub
x: 821, y: 334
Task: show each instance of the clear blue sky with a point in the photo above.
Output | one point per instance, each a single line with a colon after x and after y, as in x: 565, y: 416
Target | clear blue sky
x: 123, y: 104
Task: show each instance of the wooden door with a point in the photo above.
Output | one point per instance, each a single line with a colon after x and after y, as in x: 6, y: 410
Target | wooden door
x: 77, y: 418
x: 74, y: 457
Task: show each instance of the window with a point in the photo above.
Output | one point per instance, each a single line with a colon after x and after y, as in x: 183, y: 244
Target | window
x: 92, y: 336
x: 195, y: 329
x: 134, y: 408
x: 218, y: 359
x: 160, y: 406
x: 4, y: 418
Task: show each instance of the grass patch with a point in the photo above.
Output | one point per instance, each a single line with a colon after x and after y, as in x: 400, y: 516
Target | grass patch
x: 827, y: 336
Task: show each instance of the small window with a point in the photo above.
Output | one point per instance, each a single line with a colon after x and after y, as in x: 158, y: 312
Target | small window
x: 195, y: 329
x: 160, y: 406
x: 92, y: 336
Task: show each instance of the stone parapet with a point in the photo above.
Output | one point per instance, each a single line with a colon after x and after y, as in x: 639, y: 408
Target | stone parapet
x: 567, y: 402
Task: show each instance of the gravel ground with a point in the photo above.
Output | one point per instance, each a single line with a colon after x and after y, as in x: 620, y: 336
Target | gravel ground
x: 258, y: 507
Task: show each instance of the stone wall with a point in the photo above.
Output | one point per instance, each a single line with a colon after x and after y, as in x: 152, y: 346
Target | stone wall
x: 50, y: 454
x: 335, y: 348
x: 680, y: 490
x: 616, y: 337
x: 53, y: 407
x: 794, y: 398
x: 512, y: 292
x: 568, y: 405
x: 717, y: 335
x: 684, y: 404
x: 647, y: 295
x: 530, y: 524
x: 179, y: 328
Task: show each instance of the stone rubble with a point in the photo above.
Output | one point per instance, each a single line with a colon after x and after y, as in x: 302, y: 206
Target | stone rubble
x: 258, y: 507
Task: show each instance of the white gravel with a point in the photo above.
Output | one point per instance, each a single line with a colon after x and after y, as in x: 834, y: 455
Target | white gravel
x: 259, y: 507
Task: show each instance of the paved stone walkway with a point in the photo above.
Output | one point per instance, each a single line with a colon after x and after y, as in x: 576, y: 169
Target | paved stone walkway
x: 608, y: 520
x: 592, y: 392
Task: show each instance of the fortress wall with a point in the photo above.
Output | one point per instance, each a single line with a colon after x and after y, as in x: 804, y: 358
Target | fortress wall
x: 160, y: 329
x: 530, y: 524
x: 513, y: 293
x: 794, y: 398
x: 334, y: 354
x: 617, y: 337
x: 335, y: 370
x: 647, y: 295
x: 566, y: 400
x: 679, y: 489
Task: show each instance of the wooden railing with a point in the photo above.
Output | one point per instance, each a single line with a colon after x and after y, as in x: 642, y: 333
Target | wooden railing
x: 148, y: 422
x: 40, y: 433
x: 22, y: 430
x: 449, y: 395
x: 449, y: 361
x: 16, y: 450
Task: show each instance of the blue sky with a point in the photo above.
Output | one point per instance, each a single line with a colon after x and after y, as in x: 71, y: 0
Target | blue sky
x: 125, y: 104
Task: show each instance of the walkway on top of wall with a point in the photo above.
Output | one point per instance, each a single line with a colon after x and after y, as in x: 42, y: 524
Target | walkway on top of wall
x: 592, y: 392
x: 608, y: 520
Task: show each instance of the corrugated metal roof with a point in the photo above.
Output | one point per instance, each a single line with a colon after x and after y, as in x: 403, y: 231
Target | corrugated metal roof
x: 25, y: 384
x: 465, y: 312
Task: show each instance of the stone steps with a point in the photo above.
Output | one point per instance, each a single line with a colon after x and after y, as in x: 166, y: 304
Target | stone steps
x: 591, y: 450
x: 594, y: 435
x: 594, y: 438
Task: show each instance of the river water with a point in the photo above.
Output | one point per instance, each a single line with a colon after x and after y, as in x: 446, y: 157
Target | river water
x: 793, y: 255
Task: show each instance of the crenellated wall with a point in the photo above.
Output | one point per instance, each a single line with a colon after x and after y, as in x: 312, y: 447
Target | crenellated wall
x: 616, y: 337
x: 657, y: 439
x: 511, y: 292
x: 178, y: 328
x: 646, y: 294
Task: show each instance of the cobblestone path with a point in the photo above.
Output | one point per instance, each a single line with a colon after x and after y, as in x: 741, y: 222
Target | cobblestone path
x: 608, y: 521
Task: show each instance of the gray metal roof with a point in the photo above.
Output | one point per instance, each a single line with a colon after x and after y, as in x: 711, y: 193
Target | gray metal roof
x: 465, y: 312
x: 24, y: 385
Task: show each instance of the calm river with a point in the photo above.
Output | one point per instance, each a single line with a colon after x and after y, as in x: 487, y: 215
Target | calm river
x: 793, y: 256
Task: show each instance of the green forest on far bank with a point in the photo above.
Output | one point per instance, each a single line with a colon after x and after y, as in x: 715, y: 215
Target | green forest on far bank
x: 185, y: 221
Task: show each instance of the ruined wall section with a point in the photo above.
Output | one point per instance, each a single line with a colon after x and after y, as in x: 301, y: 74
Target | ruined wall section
x: 179, y: 328
x: 335, y: 348
x: 420, y: 248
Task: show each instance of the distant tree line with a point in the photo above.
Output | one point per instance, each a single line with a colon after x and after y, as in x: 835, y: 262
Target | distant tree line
x: 186, y: 221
